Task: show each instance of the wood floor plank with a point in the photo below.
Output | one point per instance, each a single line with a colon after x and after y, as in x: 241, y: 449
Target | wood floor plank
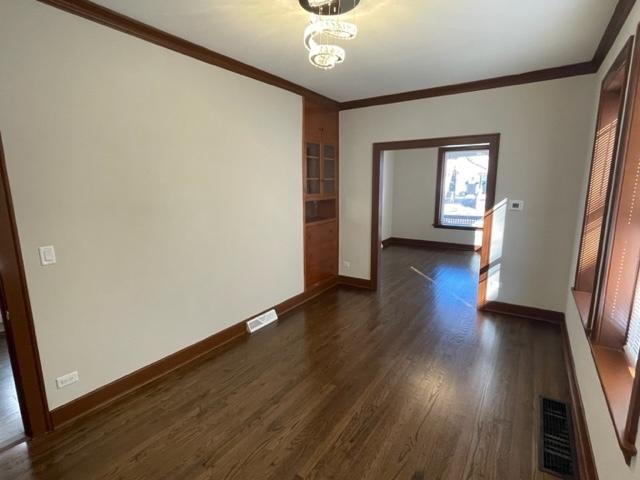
x: 409, y: 382
x: 11, y: 429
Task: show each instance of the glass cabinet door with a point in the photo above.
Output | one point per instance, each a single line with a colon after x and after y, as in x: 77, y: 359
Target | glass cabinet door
x: 313, y: 169
x: 329, y: 170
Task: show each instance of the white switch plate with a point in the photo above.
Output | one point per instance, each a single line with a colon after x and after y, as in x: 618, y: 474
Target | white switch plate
x: 47, y: 255
x: 67, y: 379
x: 516, y: 205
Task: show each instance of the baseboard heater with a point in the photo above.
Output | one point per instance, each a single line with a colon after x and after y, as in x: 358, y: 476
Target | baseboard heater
x: 557, y: 449
x: 261, y: 321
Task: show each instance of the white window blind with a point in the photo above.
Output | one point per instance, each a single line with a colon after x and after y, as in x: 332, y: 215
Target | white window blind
x: 596, y: 202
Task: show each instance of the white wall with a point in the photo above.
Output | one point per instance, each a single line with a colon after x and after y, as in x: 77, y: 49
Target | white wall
x: 415, y: 176
x: 543, y: 128
x: 388, y: 167
x: 609, y: 459
x: 147, y: 170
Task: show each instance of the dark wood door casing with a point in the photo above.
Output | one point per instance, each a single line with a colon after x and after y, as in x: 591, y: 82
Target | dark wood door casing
x: 489, y: 141
x: 20, y: 332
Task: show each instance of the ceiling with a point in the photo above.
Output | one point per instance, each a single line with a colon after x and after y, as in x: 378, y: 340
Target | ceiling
x: 401, y: 46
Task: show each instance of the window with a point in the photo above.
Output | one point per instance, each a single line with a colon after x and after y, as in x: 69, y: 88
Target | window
x: 599, y: 187
x: 461, y: 193
x: 607, y: 284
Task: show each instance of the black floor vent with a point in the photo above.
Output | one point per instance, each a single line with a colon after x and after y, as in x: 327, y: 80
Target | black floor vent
x: 557, y: 453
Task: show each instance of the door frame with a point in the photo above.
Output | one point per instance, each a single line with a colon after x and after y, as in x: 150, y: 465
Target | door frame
x: 491, y: 140
x: 19, y: 327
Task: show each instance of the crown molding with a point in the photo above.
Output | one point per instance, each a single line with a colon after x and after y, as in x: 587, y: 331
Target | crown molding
x: 109, y: 18
x: 620, y: 15
x: 489, y: 83
x: 117, y: 21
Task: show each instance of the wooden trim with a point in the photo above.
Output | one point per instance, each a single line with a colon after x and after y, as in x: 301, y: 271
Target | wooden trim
x: 428, y: 244
x: 583, y: 304
x: 112, y: 19
x: 106, y: 394
x: 532, y: 313
x: 613, y: 396
x: 491, y: 140
x: 19, y: 329
x: 615, y: 180
x: 299, y: 300
x: 586, y: 463
x: 585, y: 458
x: 460, y: 140
x: 454, y: 227
x: 633, y: 417
x: 619, y: 17
x: 623, y: 60
x: 577, y: 69
x: 439, y: 178
x: 625, y: 432
x: 355, y: 282
x: 117, y: 21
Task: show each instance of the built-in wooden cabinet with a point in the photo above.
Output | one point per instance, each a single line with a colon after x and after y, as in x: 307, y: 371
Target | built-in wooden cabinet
x: 321, y: 251
x: 320, y: 167
x: 320, y: 174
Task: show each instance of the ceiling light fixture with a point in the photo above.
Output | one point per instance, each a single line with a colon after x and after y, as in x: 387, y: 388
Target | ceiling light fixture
x: 325, y: 24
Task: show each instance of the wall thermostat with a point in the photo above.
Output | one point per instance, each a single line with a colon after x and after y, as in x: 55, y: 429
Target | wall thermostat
x: 516, y: 205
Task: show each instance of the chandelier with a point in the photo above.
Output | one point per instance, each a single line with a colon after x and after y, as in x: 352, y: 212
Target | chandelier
x: 324, y: 27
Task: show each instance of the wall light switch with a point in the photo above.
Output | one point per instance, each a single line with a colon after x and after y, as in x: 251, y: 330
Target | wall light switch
x: 516, y: 205
x: 47, y: 255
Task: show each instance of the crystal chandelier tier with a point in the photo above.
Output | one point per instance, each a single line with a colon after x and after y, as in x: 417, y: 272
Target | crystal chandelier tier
x: 325, y: 26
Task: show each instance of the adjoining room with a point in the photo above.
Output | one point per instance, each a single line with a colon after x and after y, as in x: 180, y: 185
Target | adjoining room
x: 434, y: 199
x: 11, y: 430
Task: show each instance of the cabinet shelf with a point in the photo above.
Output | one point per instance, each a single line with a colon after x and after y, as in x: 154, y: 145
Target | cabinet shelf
x: 319, y: 220
x: 317, y: 210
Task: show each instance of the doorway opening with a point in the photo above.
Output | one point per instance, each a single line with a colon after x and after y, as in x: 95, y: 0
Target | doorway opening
x: 11, y: 428
x: 23, y: 404
x: 451, y: 180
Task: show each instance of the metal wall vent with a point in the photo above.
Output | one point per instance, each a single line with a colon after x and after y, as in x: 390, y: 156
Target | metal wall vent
x: 557, y: 451
x: 261, y: 321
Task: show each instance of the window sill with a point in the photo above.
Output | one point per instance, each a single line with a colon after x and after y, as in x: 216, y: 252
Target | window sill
x: 615, y: 377
x: 617, y: 383
x: 455, y: 227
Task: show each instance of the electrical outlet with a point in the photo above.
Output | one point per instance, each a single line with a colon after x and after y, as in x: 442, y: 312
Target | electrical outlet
x: 68, y: 379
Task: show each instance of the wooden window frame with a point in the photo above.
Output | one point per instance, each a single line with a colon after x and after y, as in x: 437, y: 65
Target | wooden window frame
x: 587, y: 302
x: 442, y: 152
x: 621, y: 389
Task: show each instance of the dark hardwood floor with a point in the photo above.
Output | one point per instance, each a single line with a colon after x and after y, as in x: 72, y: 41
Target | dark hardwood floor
x: 406, y: 383
x: 11, y: 429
